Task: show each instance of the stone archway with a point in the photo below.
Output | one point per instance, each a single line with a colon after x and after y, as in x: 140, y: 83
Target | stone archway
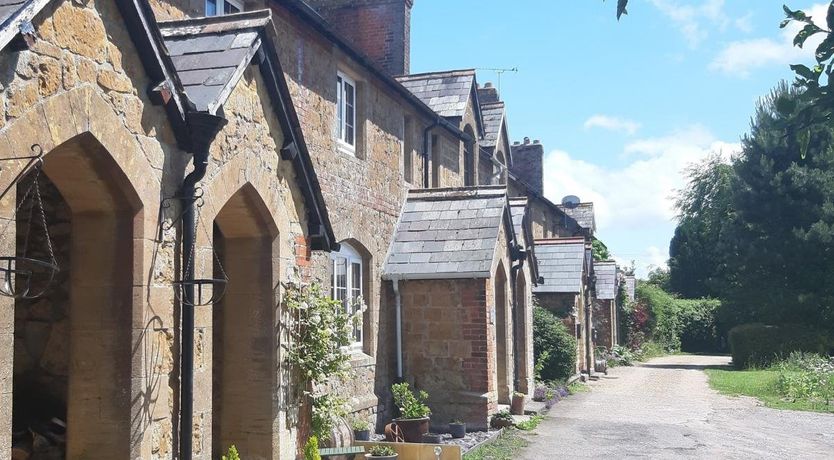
x: 81, y: 124
x: 522, y: 339
x: 244, y: 323
x: 85, y: 362
x: 502, y: 344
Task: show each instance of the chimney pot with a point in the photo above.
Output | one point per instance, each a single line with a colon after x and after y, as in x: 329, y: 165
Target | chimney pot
x: 526, y: 140
x: 488, y: 84
x: 516, y: 143
x: 536, y: 141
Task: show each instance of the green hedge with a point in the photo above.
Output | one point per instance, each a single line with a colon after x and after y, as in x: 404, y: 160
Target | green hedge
x: 679, y: 324
x: 554, y: 340
x: 760, y: 345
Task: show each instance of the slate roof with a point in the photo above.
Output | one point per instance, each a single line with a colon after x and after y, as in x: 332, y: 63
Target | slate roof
x: 582, y: 214
x: 606, y: 280
x: 518, y: 208
x: 493, y: 116
x: 561, y: 263
x: 447, y: 93
x: 9, y: 7
x: 210, y: 54
x: 447, y: 233
x: 15, y: 15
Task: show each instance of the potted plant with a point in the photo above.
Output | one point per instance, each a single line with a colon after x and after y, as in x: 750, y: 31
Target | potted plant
x: 361, y: 429
x: 414, y: 413
x: 517, y: 406
x: 501, y: 419
x: 381, y: 453
x: 457, y: 429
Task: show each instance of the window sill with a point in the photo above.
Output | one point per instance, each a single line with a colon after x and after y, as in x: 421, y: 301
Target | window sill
x: 358, y: 359
x: 345, y: 148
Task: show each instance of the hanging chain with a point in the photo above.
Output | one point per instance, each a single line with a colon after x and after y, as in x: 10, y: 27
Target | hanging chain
x: 210, y: 238
x: 43, y: 221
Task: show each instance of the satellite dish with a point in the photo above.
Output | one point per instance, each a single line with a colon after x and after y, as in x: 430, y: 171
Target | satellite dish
x: 571, y: 201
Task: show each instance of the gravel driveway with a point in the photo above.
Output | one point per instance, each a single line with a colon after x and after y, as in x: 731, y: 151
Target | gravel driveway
x: 665, y: 409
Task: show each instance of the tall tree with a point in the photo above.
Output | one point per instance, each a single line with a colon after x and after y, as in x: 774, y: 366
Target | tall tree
x: 699, y: 249
x: 784, y: 225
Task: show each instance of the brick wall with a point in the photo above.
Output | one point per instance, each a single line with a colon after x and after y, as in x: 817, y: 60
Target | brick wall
x: 448, y: 348
x: 379, y: 28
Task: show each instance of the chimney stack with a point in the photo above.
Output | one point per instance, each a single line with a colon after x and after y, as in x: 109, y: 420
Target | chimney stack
x: 488, y: 94
x: 381, y: 29
x: 528, y: 163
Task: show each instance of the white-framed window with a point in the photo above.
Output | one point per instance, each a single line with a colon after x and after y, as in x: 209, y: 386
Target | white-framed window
x: 221, y: 7
x: 347, y: 287
x: 346, y: 112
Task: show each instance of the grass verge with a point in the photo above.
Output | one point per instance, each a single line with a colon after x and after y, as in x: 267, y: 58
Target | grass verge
x: 762, y: 385
x: 504, y: 448
x: 578, y: 387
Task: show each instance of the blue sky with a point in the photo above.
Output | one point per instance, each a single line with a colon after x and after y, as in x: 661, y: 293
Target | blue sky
x: 622, y: 108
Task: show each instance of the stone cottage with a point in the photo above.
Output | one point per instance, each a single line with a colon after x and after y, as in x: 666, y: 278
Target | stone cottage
x: 606, y: 310
x: 453, y: 263
x: 116, y: 107
x: 193, y: 148
x: 566, y: 269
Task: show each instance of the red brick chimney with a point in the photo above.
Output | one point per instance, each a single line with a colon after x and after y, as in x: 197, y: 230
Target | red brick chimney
x: 379, y: 28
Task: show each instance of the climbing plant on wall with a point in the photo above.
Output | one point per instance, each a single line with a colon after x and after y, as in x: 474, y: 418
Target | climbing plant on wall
x: 319, y: 327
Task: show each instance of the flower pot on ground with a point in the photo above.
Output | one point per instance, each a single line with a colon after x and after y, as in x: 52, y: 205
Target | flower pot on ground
x: 414, y: 413
x: 381, y: 453
x: 517, y: 406
x: 413, y: 429
x: 432, y: 438
x: 457, y: 429
x: 361, y: 429
x: 501, y: 419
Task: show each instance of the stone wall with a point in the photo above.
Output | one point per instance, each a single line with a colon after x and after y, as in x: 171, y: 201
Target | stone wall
x: 605, y: 323
x: 80, y: 93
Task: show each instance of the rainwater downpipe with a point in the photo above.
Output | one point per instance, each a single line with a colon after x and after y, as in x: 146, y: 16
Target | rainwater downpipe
x: 426, y: 146
x: 202, y: 128
x: 398, y: 309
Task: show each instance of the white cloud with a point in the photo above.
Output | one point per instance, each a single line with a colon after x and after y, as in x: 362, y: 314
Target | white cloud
x: 639, y: 195
x: 615, y: 124
x: 693, y: 19
x: 740, y: 58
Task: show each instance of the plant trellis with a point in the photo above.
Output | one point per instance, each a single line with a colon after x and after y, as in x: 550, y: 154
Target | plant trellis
x: 23, y: 276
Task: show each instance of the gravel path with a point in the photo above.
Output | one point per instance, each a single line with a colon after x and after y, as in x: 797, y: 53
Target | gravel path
x: 665, y: 409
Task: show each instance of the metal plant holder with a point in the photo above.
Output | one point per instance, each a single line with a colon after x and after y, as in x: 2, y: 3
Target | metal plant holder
x: 23, y: 276
x: 207, y: 291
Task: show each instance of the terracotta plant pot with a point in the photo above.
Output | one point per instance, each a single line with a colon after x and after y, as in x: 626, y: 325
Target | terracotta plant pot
x: 517, y: 406
x: 413, y: 429
x: 362, y: 435
x: 457, y: 430
x: 432, y: 438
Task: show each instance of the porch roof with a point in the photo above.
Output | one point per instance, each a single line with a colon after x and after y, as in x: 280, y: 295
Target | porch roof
x: 561, y: 263
x: 606, y: 280
x: 447, y: 233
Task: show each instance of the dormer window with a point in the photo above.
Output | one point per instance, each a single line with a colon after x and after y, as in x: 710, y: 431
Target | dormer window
x: 221, y: 7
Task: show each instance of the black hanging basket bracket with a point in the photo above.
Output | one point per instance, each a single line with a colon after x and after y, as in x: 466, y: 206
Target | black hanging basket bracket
x: 196, y: 200
x: 206, y: 291
x: 23, y: 276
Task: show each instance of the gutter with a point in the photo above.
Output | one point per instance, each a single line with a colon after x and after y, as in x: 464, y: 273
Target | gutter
x: 399, y: 306
x: 426, y: 140
x: 202, y: 129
